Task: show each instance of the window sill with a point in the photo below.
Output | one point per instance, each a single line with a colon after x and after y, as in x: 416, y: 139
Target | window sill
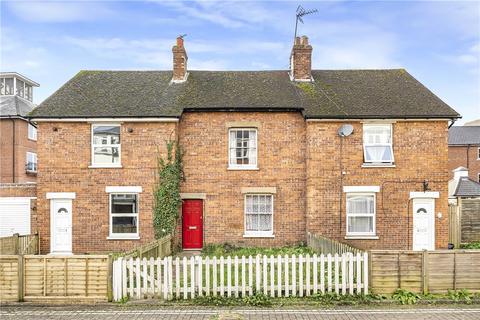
x: 259, y: 235
x: 123, y: 238
x: 98, y: 166
x: 378, y: 165
x: 243, y: 168
x: 352, y: 237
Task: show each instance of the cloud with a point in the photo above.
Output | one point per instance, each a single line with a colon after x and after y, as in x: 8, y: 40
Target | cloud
x: 58, y: 11
x: 156, y: 52
x: 229, y: 14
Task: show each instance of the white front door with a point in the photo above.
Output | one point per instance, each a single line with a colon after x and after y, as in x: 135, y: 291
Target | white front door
x: 423, y: 224
x: 61, y: 226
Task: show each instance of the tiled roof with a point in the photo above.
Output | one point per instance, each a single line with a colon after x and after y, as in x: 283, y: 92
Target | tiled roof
x: 464, y: 135
x: 333, y: 94
x: 466, y: 187
x: 15, y: 106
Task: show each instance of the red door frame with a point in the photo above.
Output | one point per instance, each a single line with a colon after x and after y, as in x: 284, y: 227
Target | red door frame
x: 192, y: 224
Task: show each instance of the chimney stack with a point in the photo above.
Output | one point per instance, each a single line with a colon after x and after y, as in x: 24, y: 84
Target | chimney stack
x: 301, y: 60
x: 179, y: 62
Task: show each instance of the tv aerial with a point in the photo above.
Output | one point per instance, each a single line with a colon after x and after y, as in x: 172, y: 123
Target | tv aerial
x: 301, y: 12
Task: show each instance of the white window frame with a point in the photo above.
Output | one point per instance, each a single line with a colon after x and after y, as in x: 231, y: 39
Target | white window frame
x: 32, y: 132
x: 361, y: 234
x: 257, y: 234
x: 123, y: 236
x: 235, y: 166
x: 478, y: 177
x: 34, y: 156
x: 92, y: 147
x: 386, y: 125
x: 478, y: 153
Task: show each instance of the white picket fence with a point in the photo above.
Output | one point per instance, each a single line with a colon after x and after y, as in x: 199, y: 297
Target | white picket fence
x: 279, y: 276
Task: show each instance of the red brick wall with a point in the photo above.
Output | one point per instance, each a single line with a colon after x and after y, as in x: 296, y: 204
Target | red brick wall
x: 420, y: 151
x: 301, y: 159
x: 466, y: 157
x: 281, y: 163
x: 22, y: 145
x: 64, y: 157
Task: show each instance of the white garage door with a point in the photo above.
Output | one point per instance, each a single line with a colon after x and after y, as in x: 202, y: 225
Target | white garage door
x: 14, y: 216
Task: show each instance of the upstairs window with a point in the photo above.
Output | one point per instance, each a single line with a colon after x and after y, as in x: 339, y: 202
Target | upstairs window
x: 123, y: 215
x: 361, y: 214
x: 242, y: 149
x: 377, y: 143
x: 106, y: 145
x: 6, y: 86
x: 31, y: 162
x: 32, y: 132
x: 258, y: 215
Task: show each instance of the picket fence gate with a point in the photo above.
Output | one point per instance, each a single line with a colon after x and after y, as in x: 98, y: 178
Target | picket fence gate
x: 276, y: 276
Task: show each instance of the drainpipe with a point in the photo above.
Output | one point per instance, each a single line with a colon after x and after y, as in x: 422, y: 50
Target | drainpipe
x: 13, y: 149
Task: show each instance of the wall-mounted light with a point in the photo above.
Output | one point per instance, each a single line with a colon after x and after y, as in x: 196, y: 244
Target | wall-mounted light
x: 55, y: 129
x: 130, y: 130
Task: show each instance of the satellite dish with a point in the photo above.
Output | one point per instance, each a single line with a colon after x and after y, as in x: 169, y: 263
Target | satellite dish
x: 345, y: 130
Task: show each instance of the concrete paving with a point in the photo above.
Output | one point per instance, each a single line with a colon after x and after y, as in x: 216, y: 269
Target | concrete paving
x: 24, y: 312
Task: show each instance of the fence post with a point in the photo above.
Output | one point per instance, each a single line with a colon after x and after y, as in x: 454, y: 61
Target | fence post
x: 110, y: 278
x: 20, y: 272
x: 16, y: 239
x: 425, y: 271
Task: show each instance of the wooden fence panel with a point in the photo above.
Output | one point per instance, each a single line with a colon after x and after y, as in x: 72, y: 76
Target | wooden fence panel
x: 17, y: 244
x: 9, y: 278
x: 424, y: 271
x: 66, y: 277
x: 470, y: 220
x: 156, y: 249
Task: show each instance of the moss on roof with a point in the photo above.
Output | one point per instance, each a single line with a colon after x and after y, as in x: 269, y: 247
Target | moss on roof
x: 333, y: 94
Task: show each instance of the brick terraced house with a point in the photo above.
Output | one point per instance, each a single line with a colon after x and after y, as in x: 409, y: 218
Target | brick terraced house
x: 360, y: 156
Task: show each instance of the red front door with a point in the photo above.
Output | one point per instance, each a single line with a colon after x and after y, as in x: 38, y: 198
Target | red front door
x: 192, y: 224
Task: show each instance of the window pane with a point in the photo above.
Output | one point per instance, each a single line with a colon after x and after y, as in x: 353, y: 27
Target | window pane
x: 28, y: 92
x: 106, y: 135
x: 124, y: 224
x: 360, y: 205
x: 360, y: 224
x: 20, y: 90
x: 124, y: 203
x: 9, y: 86
x: 106, y: 155
x: 2, y: 86
x: 251, y: 222
x: 265, y: 222
x: 377, y: 134
x: 378, y: 154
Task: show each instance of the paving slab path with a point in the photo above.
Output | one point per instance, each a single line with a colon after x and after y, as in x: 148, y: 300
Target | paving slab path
x: 77, y: 312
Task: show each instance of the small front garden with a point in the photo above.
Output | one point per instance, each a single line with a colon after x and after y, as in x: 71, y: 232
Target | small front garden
x: 218, y: 250
x: 400, y: 297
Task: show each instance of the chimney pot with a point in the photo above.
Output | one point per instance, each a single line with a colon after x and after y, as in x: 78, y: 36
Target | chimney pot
x: 297, y: 41
x: 304, y: 40
x: 180, y: 42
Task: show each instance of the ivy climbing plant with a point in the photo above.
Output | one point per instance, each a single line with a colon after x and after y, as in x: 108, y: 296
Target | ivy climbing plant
x: 167, y: 190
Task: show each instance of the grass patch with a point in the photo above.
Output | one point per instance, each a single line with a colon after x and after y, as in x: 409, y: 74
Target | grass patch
x: 218, y: 250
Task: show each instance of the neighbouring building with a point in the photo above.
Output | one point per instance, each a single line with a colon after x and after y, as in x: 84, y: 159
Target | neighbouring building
x: 18, y: 153
x: 464, y: 195
x: 464, y: 149
x: 359, y: 156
